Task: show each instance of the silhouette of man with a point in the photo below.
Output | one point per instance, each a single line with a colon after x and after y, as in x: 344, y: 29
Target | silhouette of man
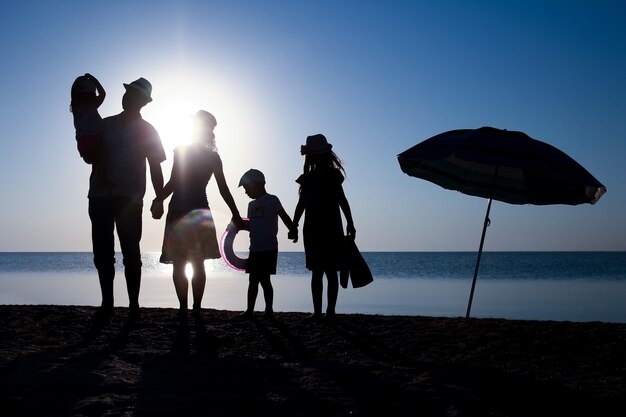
x: 116, y: 201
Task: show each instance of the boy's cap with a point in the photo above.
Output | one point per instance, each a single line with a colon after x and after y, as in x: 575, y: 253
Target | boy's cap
x: 141, y: 86
x: 252, y: 175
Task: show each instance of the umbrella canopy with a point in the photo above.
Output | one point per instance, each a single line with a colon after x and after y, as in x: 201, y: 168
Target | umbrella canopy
x: 502, y: 165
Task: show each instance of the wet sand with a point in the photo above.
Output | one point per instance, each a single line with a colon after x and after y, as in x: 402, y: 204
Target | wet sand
x: 57, y: 361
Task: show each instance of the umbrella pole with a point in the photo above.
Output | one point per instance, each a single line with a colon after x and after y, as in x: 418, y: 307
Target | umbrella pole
x: 480, y: 251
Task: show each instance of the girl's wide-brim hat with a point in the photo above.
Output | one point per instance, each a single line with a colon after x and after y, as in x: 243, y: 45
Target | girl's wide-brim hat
x: 141, y: 86
x: 315, y: 144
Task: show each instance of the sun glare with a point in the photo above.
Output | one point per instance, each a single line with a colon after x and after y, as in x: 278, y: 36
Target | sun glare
x: 189, y: 271
x: 174, y: 122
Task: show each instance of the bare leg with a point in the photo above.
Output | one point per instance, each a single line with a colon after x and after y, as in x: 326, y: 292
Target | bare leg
x: 253, y: 291
x: 106, y: 276
x: 102, y: 229
x: 333, y: 291
x: 128, y: 223
x: 133, y: 283
x: 317, y: 290
x: 181, y: 284
x: 198, y: 282
x: 268, y: 294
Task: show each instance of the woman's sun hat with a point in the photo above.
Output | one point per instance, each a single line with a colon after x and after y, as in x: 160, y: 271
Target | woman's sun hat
x: 141, y: 86
x: 315, y: 144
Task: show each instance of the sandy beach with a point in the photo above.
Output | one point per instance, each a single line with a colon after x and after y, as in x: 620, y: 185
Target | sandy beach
x: 56, y: 361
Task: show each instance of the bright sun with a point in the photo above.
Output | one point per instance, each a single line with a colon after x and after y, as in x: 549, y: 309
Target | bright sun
x: 174, y: 122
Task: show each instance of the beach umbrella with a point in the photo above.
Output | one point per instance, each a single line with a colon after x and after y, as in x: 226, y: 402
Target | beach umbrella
x: 503, y: 165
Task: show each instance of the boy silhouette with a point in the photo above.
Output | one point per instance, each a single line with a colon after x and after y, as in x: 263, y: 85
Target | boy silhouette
x: 263, y: 213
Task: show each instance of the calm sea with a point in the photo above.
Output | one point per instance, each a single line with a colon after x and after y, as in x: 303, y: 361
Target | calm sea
x: 574, y: 286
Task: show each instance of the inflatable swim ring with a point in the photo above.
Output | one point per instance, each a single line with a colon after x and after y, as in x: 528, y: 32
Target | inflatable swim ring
x: 227, y: 251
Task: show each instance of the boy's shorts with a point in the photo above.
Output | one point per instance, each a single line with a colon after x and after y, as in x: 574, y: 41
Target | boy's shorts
x: 262, y: 262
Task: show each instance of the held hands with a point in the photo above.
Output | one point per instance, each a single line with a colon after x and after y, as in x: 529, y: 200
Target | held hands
x: 157, y: 209
x: 293, y: 234
x: 238, y: 222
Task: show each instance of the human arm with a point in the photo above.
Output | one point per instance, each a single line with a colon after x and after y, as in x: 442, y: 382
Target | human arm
x: 345, y: 207
x: 156, y: 176
x: 293, y: 232
x: 227, y: 196
x: 157, y: 204
x: 293, y: 228
x: 101, y: 92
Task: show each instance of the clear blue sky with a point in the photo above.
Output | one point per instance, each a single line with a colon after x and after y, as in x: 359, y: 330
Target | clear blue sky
x: 376, y: 77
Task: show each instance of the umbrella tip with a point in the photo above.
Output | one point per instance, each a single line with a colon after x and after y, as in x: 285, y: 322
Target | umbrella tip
x: 594, y: 193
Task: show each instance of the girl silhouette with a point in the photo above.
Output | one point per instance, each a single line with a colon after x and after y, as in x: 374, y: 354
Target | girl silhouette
x: 323, y: 199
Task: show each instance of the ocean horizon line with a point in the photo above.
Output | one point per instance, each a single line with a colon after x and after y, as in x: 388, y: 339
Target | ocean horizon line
x: 579, y: 286
x: 366, y: 251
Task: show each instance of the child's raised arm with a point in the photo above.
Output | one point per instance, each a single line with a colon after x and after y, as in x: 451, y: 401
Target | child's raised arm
x: 101, y: 93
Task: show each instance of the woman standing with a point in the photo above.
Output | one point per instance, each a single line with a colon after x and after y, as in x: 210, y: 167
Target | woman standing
x: 323, y: 199
x: 190, y: 235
